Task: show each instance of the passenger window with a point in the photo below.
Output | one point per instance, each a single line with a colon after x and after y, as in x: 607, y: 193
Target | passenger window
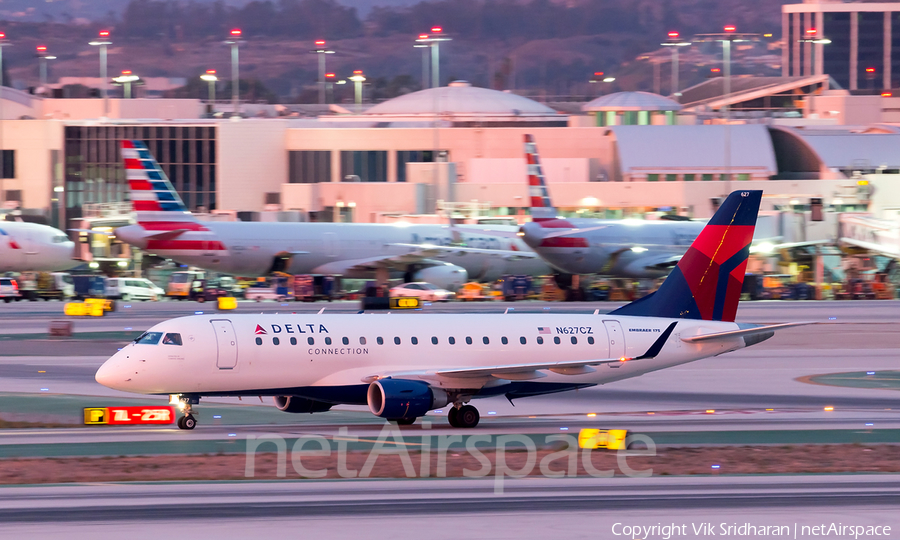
x: 259, y: 341
x: 328, y: 341
x: 379, y: 340
x: 311, y: 341
x: 468, y: 341
x: 556, y: 340
x: 590, y: 340
x: 433, y: 340
x: 293, y: 341
x: 503, y: 340
x: 574, y: 340
x: 149, y: 338
x: 540, y: 340
x: 345, y: 341
x: 415, y: 341
x: 362, y: 341
x: 275, y: 341
x: 451, y: 340
x: 172, y: 339
x: 486, y: 340
x: 522, y: 340
x: 396, y: 341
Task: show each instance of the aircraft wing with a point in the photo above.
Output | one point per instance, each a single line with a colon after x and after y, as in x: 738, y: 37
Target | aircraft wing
x: 431, y: 250
x: 742, y: 332
x: 391, y: 262
x: 884, y: 249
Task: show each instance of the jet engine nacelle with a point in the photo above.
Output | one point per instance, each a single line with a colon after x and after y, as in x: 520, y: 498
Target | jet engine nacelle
x: 446, y: 276
x: 396, y: 398
x: 531, y: 233
x: 297, y: 404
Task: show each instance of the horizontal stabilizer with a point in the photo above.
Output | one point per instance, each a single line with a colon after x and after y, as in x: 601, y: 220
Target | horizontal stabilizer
x: 742, y: 332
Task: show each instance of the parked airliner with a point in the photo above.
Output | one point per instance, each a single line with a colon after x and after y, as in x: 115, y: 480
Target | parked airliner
x: 632, y: 248
x: 403, y: 366
x: 414, y: 252
x: 32, y: 247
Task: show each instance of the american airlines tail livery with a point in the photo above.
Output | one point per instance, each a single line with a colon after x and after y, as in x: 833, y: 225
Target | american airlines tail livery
x: 355, y: 250
x: 403, y: 366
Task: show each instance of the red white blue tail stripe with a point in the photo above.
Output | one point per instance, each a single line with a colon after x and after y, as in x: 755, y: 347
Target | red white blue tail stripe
x: 541, y: 207
x: 150, y: 189
x: 170, y: 228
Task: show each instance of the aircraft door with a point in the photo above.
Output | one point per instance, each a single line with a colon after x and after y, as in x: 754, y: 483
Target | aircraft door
x: 616, y: 339
x: 226, y: 343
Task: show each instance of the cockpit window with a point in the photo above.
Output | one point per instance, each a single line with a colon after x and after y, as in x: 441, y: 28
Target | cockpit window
x: 149, y: 338
x: 172, y: 339
x: 60, y: 239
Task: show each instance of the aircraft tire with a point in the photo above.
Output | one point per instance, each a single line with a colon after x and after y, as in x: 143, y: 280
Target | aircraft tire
x: 188, y: 422
x: 451, y: 416
x: 405, y: 421
x: 467, y: 417
x: 180, y: 422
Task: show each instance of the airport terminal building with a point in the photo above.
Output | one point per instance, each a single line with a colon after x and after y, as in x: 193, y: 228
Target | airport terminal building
x: 449, y: 147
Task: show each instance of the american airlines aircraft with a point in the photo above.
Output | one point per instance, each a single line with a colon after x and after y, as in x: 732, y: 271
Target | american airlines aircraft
x: 403, y: 366
x: 354, y: 250
x: 27, y: 247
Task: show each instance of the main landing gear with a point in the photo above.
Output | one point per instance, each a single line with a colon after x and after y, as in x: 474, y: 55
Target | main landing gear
x: 465, y: 416
x: 185, y: 404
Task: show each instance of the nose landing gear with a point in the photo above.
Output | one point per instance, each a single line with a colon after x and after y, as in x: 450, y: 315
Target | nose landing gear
x: 185, y: 404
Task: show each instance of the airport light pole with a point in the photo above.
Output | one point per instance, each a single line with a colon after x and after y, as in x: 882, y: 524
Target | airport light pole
x: 329, y: 87
x: 358, y: 79
x: 3, y: 43
x: 674, y: 42
x: 321, y: 50
x: 870, y: 76
x: 103, y: 41
x: 235, y: 40
x: 424, y: 47
x: 434, y: 42
x: 812, y: 36
x: 210, y: 77
x: 126, y: 79
x: 42, y: 58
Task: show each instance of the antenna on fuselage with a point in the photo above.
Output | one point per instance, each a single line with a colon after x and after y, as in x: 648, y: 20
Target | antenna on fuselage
x: 321, y: 311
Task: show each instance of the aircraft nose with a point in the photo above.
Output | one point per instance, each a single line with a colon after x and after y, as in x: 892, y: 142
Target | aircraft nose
x: 531, y: 233
x: 111, y: 374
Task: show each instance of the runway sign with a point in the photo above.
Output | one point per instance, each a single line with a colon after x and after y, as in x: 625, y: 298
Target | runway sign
x: 123, y: 416
x: 610, y: 439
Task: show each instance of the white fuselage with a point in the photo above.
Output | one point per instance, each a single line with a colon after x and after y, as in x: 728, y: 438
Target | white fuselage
x: 623, y: 248
x: 349, y: 249
x: 32, y: 247
x: 238, y: 355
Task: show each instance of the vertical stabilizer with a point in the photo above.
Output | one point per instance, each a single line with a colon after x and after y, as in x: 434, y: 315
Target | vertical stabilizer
x: 707, y: 282
x: 541, y: 207
x: 152, y: 196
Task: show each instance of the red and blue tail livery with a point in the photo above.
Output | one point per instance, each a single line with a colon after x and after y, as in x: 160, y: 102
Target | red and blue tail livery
x: 541, y: 207
x: 150, y: 189
x: 706, y: 284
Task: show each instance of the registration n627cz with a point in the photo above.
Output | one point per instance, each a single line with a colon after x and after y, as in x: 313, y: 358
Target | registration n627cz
x: 574, y: 330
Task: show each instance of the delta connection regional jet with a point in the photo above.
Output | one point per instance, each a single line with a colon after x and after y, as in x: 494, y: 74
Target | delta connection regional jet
x: 430, y: 253
x: 403, y: 366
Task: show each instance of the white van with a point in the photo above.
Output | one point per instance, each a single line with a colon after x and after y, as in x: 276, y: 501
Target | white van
x: 133, y: 289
